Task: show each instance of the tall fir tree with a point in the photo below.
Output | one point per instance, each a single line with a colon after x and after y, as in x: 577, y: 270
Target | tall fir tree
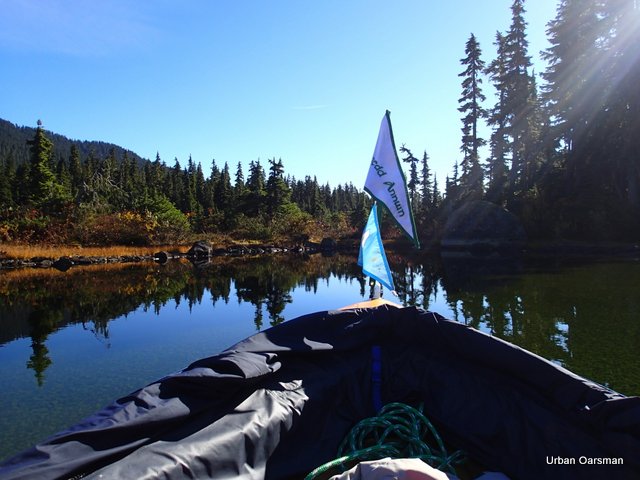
x: 44, y: 191
x: 472, y: 180
x: 255, y: 189
x: 517, y: 87
x: 277, y: 190
x: 223, y: 192
x: 496, y: 166
x: 426, y: 187
x: 239, y: 185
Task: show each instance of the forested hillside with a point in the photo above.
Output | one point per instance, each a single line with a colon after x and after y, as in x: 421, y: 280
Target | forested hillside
x: 96, y: 193
x: 14, y: 145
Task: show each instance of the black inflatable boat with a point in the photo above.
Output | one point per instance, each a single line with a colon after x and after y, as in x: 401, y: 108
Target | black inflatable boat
x: 278, y: 405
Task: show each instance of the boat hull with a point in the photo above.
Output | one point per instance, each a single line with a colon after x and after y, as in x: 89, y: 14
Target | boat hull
x: 278, y: 404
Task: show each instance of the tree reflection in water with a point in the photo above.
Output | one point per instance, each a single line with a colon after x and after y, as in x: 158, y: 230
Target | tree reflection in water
x: 95, y: 295
x: 581, y: 316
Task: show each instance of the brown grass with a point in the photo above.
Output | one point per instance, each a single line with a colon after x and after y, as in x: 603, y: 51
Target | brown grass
x: 14, y: 276
x: 25, y: 252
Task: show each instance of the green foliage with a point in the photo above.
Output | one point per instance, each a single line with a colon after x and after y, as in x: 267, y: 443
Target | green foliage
x: 44, y: 190
x: 292, y: 223
x: 26, y: 224
x: 251, y: 228
x: 277, y: 191
x: 115, y: 197
x: 169, y: 225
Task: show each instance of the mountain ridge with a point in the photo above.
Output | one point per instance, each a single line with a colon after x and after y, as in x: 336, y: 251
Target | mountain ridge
x: 13, y: 144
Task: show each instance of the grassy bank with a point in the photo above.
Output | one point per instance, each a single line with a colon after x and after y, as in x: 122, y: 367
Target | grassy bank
x: 24, y: 252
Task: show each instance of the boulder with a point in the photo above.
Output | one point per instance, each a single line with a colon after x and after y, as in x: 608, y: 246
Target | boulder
x: 200, y: 249
x: 82, y: 260
x: 161, y: 257
x: 482, y: 226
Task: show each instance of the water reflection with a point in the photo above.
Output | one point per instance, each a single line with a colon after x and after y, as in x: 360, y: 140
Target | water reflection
x: 581, y: 316
x: 93, y: 296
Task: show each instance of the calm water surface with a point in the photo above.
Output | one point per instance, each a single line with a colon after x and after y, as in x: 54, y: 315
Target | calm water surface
x: 72, y: 342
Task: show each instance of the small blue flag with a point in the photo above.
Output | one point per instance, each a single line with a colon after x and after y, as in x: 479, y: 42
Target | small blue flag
x: 372, y: 258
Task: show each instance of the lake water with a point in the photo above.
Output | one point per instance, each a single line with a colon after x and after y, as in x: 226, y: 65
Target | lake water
x: 72, y: 342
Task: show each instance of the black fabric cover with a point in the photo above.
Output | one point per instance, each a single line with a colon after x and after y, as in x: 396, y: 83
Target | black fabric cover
x: 277, y: 405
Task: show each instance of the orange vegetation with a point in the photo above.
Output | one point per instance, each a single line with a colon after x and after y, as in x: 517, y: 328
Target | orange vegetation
x: 24, y: 252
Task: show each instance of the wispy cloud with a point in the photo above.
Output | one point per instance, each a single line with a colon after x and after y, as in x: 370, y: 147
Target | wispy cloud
x: 74, y: 27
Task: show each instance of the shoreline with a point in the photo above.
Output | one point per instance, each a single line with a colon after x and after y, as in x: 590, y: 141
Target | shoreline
x: 159, y: 255
x: 43, y: 258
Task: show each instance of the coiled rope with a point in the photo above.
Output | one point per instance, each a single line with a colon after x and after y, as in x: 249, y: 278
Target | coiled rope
x: 398, y: 431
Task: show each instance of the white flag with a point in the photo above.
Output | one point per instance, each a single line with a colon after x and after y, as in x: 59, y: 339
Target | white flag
x: 386, y: 182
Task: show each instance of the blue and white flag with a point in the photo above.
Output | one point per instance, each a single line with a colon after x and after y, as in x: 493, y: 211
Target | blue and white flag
x: 372, y: 258
x: 386, y: 182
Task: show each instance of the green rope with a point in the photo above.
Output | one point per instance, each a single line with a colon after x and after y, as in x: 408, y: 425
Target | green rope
x: 398, y: 431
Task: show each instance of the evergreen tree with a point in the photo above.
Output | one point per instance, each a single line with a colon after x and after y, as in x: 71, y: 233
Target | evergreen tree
x: 201, y: 200
x: 497, y: 118
x: 135, y: 193
x: 453, y: 185
x: 41, y: 178
x: 256, y: 189
x: 154, y: 176
x: 623, y: 120
x: 426, y: 189
x: 200, y: 186
x: 75, y: 171
x: 592, y: 95
x: 517, y: 85
x: 176, y: 187
x: 573, y: 88
x: 223, y: 192
x: 7, y: 179
x: 413, y: 182
x: 470, y: 102
x: 360, y: 213
x: 20, y: 190
x: 239, y: 185
x: 63, y: 177
x: 189, y: 204
x: 277, y: 190
x: 325, y: 197
x: 44, y: 191
x: 436, y: 198
x: 312, y: 198
x: 210, y: 189
x: 533, y: 148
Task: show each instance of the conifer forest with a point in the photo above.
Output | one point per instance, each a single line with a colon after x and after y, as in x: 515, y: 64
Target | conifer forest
x: 560, y: 149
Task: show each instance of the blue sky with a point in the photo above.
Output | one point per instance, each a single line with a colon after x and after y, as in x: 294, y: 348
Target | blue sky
x: 307, y: 82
